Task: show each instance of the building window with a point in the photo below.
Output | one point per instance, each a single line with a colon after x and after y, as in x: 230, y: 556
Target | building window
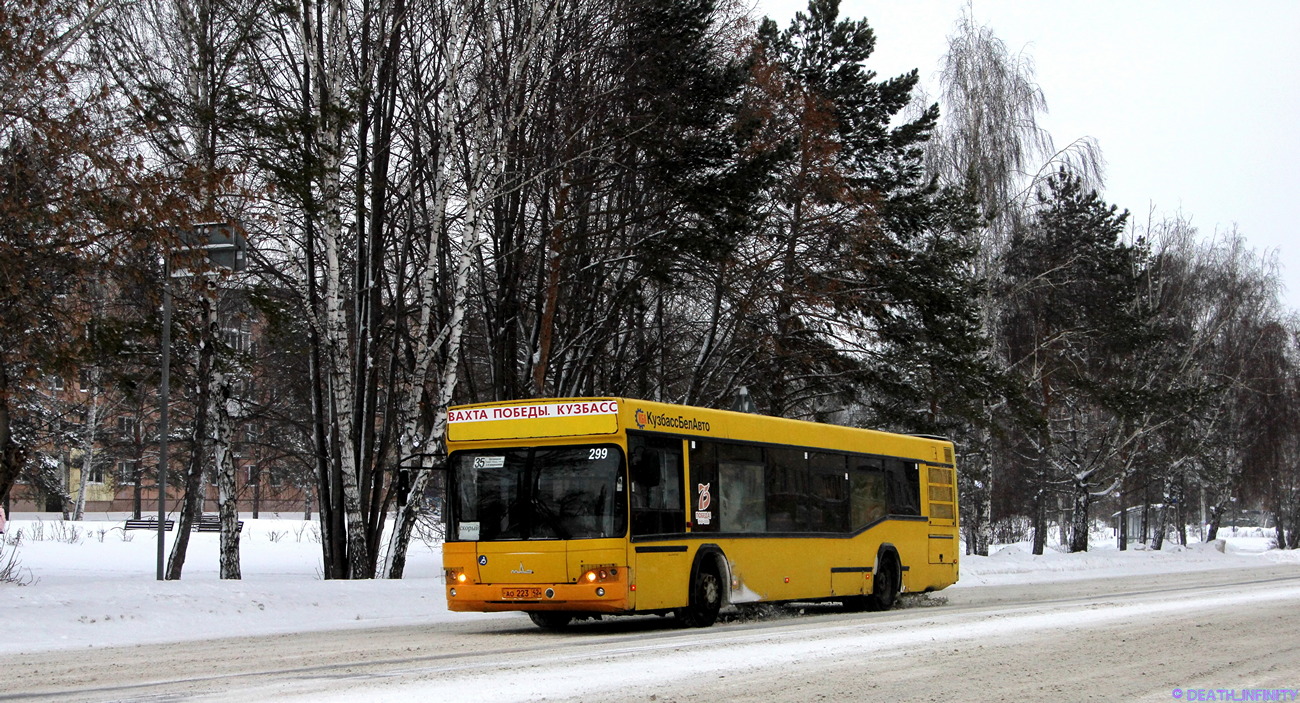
x: 126, y: 472
x: 126, y: 426
x: 96, y: 474
x: 241, y: 386
x: 87, y: 378
x: 238, y: 339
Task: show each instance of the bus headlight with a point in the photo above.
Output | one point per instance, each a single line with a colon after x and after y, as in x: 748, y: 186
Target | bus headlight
x: 599, y: 574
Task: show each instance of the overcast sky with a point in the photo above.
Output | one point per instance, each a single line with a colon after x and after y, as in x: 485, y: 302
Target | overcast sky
x: 1195, y: 104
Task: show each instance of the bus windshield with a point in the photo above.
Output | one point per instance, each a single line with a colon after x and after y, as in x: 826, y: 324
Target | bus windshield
x: 538, y: 493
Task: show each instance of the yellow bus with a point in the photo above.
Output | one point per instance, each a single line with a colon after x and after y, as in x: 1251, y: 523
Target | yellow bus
x: 576, y: 508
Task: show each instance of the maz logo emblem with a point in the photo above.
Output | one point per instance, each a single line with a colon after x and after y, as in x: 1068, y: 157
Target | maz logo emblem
x: 521, y: 569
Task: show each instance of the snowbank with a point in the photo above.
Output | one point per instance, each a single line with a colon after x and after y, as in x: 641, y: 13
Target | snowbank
x: 1016, y: 563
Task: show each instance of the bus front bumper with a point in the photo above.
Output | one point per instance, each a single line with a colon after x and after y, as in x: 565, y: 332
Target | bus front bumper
x: 607, y: 597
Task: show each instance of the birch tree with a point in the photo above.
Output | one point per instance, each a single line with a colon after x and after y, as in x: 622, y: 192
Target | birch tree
x: 1238, y: 294
x: 313, y: 246
x: 405, y: 151
x: 294, y: 168
x: 324, y: 38
x: 462, y: 121
x: 1269, y: 472
x: 92, y: 410
x: 180, y: 67
x: 990, y: 144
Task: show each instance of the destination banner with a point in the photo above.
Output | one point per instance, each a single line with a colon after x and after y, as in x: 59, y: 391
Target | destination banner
x: 537, y: 411
x: 552, y: 418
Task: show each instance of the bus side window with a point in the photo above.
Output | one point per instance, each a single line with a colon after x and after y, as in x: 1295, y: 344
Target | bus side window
x: 904, y: 487
x: 704, y: 487
x: 646, y: 475
x: 829, y: 492
x: 742, y: 491
x: 787, y: 490
x: 869, y: 501
x: 655, y: 469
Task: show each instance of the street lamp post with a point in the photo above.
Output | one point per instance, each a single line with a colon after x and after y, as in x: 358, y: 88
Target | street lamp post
x: 164, y: 402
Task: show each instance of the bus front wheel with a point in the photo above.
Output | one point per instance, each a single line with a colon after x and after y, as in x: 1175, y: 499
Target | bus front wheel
x: 706, y: 600
x: 550, y: 621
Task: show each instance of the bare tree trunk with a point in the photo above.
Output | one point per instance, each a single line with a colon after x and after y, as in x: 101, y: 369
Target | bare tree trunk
x: 1040, y: 522
x: 323, y: 47
x: 88, y: 442
x: 1079, y: 522
x: 1121, y: 530
x: 1145, y: 537
x: 1161, y: 524
x: 1202, y: 515
x: 227, y: 505
x: 1216, y: 519
x: 551, y: 294
x: 1282, y: 528
x: 65, y: 480
x: 137, y: 476
x: 192, y: 502
x: 10, y: 458
x: 1180, y: 512
x: 404, y: 523
x: 708, y: 345
x: 420, y: 446
x: 982, y: 532
x: 333, y: 543
x: 395, y: 562
x: 486, y: 149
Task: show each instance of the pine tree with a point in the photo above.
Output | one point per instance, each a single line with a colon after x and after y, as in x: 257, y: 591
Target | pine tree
x: 866, y: 288
x: 1071, y: 325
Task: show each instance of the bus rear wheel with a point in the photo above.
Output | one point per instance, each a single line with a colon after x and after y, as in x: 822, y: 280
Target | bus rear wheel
x: 550, y: 621
x: 706, y: 600
x: 885, y: 584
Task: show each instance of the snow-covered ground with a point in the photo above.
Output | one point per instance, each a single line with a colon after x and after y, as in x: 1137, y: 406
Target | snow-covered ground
x: 91, y: 583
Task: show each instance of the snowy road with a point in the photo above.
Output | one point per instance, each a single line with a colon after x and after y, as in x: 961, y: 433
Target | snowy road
x: 1136, y: 638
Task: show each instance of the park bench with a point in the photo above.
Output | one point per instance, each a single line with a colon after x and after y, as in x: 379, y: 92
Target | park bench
x: 207, y: 523
x: 149, y: 524
x: 212, y: 523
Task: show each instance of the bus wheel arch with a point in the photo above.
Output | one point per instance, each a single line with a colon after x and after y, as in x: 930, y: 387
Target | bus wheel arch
x: 886, y: 579
x: 706, y: 592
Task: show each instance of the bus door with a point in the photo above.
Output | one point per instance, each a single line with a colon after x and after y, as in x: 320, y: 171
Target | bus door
x: 660, y: 564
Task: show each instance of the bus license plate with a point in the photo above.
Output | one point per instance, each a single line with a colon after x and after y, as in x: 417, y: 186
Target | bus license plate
x: 521, y: 593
